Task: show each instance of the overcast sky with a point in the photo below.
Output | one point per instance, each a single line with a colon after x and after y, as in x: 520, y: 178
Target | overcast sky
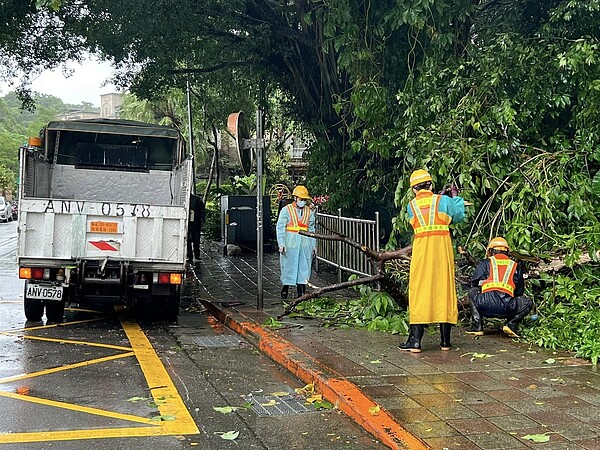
x: 86, y: 83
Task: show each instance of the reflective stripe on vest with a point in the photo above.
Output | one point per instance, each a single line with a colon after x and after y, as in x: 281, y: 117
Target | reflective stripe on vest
x: 429, y: 226
x: 494, y: 283
x: 295, y: 225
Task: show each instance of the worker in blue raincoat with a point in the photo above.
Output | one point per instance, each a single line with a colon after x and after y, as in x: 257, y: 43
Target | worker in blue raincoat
x: 296, y: 251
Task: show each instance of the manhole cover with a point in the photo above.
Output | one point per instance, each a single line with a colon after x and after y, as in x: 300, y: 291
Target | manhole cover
x: 223, y: 340
x: 272, y: 405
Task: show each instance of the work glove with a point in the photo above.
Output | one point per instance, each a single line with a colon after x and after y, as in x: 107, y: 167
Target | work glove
x: 282, y: 249
x: 453, y: 190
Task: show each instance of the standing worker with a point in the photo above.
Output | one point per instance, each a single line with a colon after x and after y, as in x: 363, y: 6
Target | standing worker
x: 196, y: 219
x: 431, y: 288
x: 497, y: 290
x: 295, y: 250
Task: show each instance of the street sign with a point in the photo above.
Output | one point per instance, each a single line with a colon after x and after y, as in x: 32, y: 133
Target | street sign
x: 238, y: 127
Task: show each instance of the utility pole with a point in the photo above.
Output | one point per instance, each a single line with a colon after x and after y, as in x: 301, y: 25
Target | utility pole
x: 260, y: 145
x: 191, y: 133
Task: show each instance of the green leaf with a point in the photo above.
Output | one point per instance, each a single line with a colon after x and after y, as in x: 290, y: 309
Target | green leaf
x: 537, y: 437
x: 136, y: 399
x: 550, y: 361
x: 164, y: 418
x: 229, y: 435
x: 224, y: 409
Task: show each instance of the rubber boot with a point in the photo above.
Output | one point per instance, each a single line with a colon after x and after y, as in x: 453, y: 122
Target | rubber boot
x: 512, y: 326
x: 413, y: 343
x: 301, y: 289
x: 476, y: 327
x: 445, y: 329
x: 284, y: 291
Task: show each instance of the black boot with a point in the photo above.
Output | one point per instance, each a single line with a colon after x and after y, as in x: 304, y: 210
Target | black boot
x: 284, y: 291
x: 512, y: 326
x: 476, y: 327
x: 413, y: 343
x: 301, y: 289
x: 445, y: 329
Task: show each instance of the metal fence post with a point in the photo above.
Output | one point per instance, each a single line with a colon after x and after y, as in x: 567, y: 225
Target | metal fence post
x: 317, y: 230
x: 377, y: 236
x: 339, y: 247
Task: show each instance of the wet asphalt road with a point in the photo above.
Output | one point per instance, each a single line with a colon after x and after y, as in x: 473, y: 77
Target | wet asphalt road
x: 69, y: 386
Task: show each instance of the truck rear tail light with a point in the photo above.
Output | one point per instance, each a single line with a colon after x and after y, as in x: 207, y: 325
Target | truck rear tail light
x: 46, y: 274
x: 25, y: 273
x: 164, y: 278
x: 175, y: 278
x: 37, y: 273
x: 168, y: 278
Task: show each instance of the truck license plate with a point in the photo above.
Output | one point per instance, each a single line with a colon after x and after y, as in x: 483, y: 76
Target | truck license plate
x: 44, y: 292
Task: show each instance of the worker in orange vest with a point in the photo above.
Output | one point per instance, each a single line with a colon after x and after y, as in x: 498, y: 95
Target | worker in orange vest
x: 497, y: 290
x: 295, y: 250
x: 431, y: 288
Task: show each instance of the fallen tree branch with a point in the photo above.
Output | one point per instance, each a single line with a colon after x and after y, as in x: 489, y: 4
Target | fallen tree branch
x: 377, y: 260
x: 331, y: 287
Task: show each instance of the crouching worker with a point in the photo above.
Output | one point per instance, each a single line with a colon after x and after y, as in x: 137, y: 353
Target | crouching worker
x: 296, y: 250
x: 497, y: 290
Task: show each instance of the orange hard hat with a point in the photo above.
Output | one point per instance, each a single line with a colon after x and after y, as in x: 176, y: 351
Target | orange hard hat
x: 301, y: 192
x: 419, y: 176
x: 498, y: 243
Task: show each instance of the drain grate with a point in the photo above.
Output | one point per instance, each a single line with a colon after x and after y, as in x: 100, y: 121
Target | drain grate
x: 223, y: 340
x: 271, y: 405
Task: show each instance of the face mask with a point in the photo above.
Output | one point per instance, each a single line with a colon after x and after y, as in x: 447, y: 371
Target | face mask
x: 301, y: 203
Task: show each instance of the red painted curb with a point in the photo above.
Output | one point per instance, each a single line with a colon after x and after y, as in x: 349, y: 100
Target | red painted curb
x: 336, y: 389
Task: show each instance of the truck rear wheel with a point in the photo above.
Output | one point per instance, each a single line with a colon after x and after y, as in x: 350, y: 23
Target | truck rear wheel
x: 55, y: 311
x: 34, y: 308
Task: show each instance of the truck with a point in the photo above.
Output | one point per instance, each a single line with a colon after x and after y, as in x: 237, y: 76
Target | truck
x: 103, y: 217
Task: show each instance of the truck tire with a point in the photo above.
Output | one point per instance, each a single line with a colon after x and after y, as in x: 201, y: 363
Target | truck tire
x: 34, y: 308
x: 55, y: 311
x: 171, y: 306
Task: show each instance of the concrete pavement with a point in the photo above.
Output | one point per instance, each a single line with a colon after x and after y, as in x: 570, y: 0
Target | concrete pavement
x: 486, y: 393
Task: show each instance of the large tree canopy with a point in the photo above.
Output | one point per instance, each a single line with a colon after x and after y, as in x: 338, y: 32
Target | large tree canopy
x: 499, y: 96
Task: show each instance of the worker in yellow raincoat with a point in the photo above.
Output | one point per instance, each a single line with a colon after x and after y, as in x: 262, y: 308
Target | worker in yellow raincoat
x: 295, y: 250
x: 431, y: 288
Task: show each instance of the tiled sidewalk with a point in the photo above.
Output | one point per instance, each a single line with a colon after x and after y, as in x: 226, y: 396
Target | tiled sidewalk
x: 486, y: 393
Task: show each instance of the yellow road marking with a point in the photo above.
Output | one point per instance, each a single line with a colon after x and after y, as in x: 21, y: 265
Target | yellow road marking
x: 78, y: 408
x: 160, y: 383
x: 54, y: 325
x: 68, y: 341
x: 164, y: 392
x: 99, y: 433
x: 84, y: 310
x: 65, y: 367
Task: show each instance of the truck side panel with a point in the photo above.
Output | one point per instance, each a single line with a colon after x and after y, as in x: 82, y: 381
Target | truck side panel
x: 69, y: 236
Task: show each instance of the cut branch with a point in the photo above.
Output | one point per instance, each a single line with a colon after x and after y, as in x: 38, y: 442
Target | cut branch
x: 377, y: 260
x: 331, y: 287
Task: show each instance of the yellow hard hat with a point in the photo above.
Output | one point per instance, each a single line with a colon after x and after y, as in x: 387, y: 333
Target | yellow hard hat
x: 498, y: 243
x: 301, y: 192
x: 419, y: 176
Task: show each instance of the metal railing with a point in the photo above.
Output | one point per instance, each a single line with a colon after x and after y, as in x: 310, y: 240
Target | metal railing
x: 341, y: 255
